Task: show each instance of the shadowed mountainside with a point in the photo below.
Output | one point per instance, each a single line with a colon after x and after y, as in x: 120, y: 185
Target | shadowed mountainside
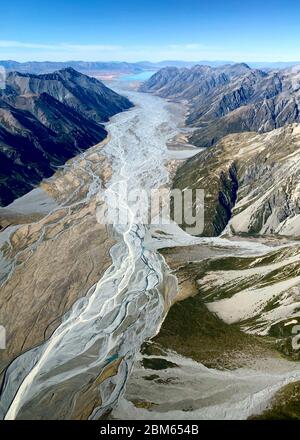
x: 47, y: 119
x: 250, y: 182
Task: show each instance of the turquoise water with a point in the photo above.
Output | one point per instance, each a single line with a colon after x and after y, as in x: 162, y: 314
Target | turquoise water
x: 138, y: 76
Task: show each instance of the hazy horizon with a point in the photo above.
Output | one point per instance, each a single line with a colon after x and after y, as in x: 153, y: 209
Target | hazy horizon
x: 220, y: 62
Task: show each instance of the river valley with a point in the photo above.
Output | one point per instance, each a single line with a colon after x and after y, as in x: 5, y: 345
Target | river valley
x: 79, y: 356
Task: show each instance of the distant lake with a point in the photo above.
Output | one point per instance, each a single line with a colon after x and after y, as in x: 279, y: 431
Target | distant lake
x: 143, y: 76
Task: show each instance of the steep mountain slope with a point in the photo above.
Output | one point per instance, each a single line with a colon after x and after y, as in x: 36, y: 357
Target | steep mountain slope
x: 230, y: 99
x: 88, y: 96
x: 45, y: 120
x: 251, y: 183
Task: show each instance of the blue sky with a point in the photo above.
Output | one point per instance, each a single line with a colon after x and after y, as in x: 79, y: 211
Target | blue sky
x: 135, y: 30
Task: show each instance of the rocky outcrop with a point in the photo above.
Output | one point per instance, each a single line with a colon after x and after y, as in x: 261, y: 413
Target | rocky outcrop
x: 47, y: 119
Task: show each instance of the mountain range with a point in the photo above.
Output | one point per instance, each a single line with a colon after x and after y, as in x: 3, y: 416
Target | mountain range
x: 250, y: 120
x: 81, y: 66
x: 123, y: 67
x: 47, y: 119
x: 230, y: 99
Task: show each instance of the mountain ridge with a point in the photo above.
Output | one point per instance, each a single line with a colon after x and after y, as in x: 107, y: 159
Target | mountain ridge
x: 47, y: 119
x: 230, y: 99
x: 250, y: 183
x: 127, y: 67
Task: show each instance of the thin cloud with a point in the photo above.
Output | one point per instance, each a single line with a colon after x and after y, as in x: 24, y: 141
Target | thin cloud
x: 59, y: 46
x: 21, y: 45
x: 188, y: 46
x: 100, y: 47
x: 66, y: 51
